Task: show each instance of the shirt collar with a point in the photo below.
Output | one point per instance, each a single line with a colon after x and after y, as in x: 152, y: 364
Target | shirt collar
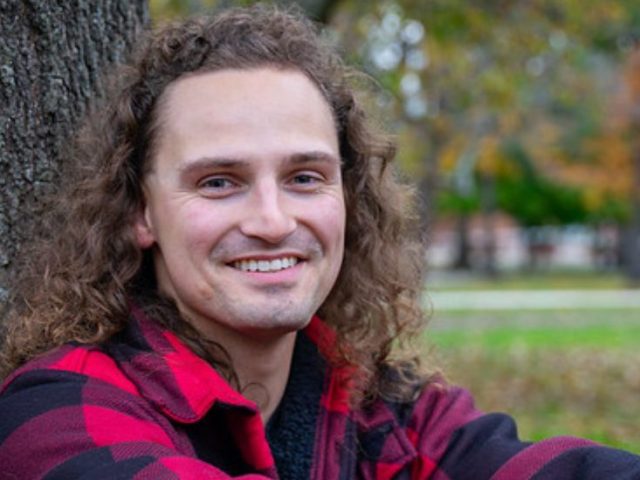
x: 177, y: 381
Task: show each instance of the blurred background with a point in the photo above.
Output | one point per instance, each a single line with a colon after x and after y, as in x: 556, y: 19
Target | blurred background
x: 519, y: 123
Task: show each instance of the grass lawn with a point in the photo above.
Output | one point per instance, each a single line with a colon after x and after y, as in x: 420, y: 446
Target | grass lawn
x: 557, y: 372
x: 517, y: 280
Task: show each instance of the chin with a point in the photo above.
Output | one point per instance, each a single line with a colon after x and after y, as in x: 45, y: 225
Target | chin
x: 279, y: 322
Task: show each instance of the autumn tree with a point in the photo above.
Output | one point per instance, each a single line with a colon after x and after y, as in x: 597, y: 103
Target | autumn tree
x: 485, y: 79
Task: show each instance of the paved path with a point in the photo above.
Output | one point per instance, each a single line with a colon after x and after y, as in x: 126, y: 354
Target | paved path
x: 534, y: 299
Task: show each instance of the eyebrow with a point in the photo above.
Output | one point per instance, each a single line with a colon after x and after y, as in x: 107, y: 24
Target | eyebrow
x: 240, y: 162
x: 314, y: 156
x: 211, y: 162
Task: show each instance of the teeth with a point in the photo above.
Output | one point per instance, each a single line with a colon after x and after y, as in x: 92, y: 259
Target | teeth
x: 265, y: 265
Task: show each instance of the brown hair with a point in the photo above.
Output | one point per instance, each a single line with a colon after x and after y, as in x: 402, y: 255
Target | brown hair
x: 75, y: 284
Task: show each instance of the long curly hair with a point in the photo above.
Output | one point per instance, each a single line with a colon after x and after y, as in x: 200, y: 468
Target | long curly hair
x: 75, y: 284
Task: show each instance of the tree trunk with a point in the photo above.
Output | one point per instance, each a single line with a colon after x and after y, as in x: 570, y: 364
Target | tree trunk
x: 427, y: 197
x: 429, y: 182
x: 489, y: 209
x: 633, y: 239
x: 53, y: 55
x: 462, y: 260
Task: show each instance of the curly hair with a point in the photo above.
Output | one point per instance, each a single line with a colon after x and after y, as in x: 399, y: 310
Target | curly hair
x: 76, y: 283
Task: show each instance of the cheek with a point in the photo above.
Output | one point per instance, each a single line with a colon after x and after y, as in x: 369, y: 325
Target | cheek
x: 202, y: 229
x: 330, y: 221
x: 191, y: 228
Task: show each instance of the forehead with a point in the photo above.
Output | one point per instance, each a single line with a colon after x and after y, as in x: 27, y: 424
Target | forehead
x: 243, y: 112
x: 246, y: 83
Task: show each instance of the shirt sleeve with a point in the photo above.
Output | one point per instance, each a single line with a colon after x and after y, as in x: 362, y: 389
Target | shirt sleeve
x: 455, y: 441
x: 65, y: 425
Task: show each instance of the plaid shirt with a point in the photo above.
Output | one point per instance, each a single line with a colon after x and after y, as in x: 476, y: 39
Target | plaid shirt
x: 143, y: 406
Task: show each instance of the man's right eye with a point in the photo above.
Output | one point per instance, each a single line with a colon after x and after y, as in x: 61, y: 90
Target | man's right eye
x: 217, y: 186
x: 216, y: 182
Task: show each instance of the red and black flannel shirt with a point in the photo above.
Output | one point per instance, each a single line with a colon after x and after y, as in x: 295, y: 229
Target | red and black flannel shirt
x: 143, y: 406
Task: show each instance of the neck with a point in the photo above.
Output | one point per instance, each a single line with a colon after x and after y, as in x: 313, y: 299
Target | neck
x: 261, y: 361
x: 263, y: 370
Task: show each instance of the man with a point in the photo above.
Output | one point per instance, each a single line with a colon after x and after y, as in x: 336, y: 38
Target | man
x: 223, y: 282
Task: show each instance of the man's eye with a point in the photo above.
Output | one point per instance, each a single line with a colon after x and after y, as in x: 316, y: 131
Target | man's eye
x: 218, y: 187
x: 305, y: 179
x: 217, y: 183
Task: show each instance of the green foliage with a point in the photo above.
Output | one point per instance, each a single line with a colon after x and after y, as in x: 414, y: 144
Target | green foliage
x: 537, y: 201
x: 541, y: 74
x: 611, y: 209
x: 451, y: 202
x: 522, y: 192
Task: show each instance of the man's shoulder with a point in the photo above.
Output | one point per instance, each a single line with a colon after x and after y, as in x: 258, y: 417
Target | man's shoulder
x: 144, y: 363
x: 408, y: 391
x: 69, y: 363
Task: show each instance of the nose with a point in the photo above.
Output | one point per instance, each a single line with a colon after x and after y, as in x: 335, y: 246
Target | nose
x: 268, y: 216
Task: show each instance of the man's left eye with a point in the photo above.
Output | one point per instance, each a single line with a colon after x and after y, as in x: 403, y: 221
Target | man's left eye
x: 305, y: 179
x: 218, y: 186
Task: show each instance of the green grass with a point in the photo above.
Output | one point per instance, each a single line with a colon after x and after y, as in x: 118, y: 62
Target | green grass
x: 567, y: 279
x: 558, y: 373
x: 505, y: 338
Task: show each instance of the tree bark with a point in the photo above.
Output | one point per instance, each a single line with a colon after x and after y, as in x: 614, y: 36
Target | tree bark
x: 633, y: 240
x: 53, y: 56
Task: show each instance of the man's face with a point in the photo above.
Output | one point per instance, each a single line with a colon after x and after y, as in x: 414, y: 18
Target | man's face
x: 244, y: 202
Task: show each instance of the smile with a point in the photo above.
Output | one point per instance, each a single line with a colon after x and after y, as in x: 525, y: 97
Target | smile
x: 265, y: 265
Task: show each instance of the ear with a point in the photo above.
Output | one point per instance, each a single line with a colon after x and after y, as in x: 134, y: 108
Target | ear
x: 143, y: 228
